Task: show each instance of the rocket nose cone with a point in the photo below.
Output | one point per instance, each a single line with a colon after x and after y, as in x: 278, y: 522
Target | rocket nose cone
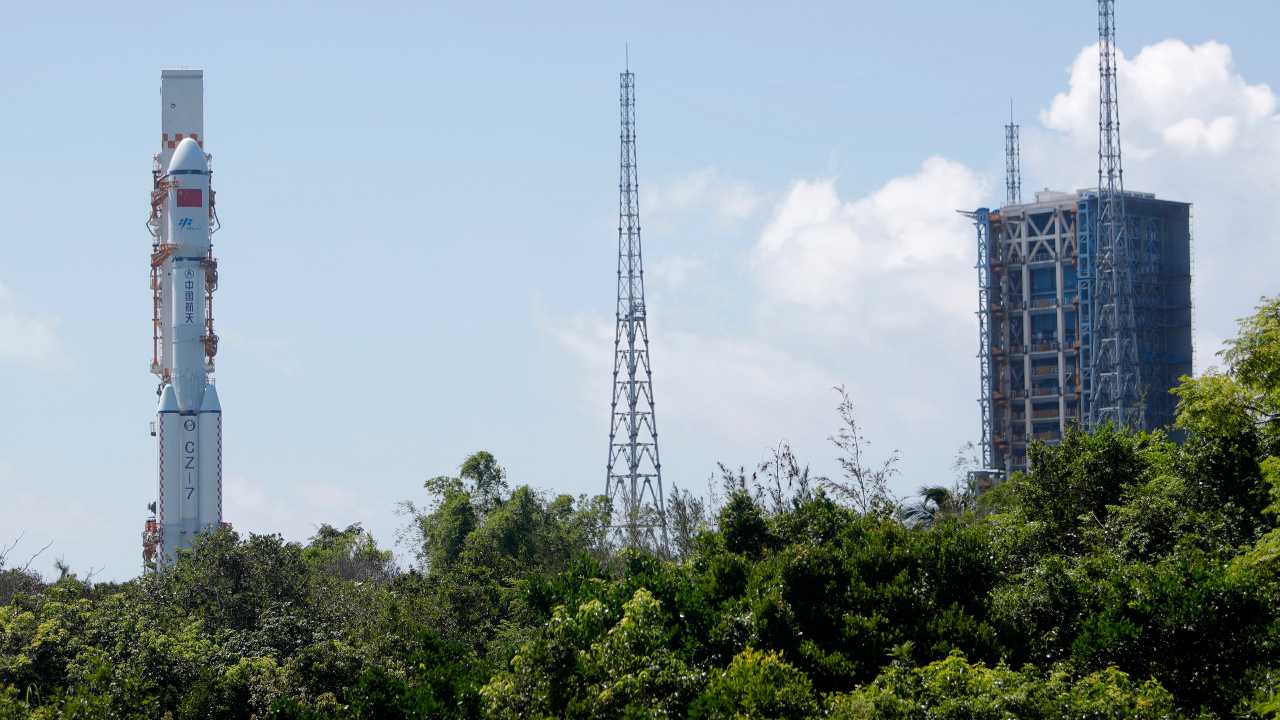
x: 168, y: 400
x: 188, y: 157
x: 210, y: 402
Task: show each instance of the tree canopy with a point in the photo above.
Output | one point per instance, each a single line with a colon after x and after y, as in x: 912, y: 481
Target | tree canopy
x: 1125, y: 576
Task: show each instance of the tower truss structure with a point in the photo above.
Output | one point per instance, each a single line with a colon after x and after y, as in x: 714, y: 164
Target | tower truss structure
x: 982, y: 224
x: 1113, y: 382
x: 1012, y: 162
x: 633, y: 476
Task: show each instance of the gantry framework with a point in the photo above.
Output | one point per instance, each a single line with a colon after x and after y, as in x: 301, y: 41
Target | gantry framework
x: 634, y: 472
x: 1032, y: 357
x: 1084, y: 297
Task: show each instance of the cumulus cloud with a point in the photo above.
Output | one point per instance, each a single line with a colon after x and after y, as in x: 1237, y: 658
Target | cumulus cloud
x: 1172, y: 96
x: 29, y: 338
x: 893, y: 259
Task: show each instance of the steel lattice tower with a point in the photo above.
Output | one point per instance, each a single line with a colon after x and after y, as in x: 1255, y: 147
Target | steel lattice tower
x: 1112, y: 377
x: 982, y: 223
x: 634, y: 472
x: 1012, y: 162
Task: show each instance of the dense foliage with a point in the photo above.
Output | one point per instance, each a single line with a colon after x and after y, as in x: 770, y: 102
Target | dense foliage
x: 1126, y: 576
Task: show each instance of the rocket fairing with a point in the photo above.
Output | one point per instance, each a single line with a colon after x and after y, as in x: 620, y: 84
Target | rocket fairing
x: 187, y: 213
x: 188, y: 426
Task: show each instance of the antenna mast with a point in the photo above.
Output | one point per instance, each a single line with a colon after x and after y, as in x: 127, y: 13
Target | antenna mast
x: 1112, y: 374
x: 634, y: 473
x: 1012, y: 161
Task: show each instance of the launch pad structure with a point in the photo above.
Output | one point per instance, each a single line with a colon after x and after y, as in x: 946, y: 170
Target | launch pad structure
x: 1084, y: 299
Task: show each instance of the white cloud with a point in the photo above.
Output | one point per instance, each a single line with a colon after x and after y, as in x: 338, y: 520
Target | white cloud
x: 891, y: 260
x: 729, y: 203
x: 1172, y: 96
x: 1193, y: 134
x: 29, y: 338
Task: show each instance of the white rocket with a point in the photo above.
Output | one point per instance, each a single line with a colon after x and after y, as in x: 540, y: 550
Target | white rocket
x: 184, y: 274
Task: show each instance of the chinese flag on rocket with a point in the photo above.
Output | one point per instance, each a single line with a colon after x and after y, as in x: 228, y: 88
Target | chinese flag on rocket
x: 189, y: 197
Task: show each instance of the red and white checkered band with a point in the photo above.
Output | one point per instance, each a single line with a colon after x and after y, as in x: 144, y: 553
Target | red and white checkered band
x: 177, y: 138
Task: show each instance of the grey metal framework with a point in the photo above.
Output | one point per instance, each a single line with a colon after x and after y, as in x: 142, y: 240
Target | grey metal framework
x: 1113, y: 385
x: 1012, y: 163
x: 634, y: 472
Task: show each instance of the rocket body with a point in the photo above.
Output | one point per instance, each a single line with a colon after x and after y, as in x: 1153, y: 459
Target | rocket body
x: 187, y: 215
x: 188, y: 426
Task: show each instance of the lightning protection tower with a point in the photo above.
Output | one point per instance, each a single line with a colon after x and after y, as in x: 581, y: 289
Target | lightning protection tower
x: 1113, y: 388
x: 634, y: 473
x: 1012, y: 162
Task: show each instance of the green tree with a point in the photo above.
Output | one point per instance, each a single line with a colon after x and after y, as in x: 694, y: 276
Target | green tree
x: 11, y: 708
x: 686, y: 519
x: 743, y: 526
x: 757, y: 686
x: 587, y: 666
x: 487, y: 478
x: 935, y: 504
x: 1247, y: 394
x: 350, y: 554
x: 954, y: 689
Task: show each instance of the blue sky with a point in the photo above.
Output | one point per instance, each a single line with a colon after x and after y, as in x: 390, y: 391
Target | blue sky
x: 419, y: 201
